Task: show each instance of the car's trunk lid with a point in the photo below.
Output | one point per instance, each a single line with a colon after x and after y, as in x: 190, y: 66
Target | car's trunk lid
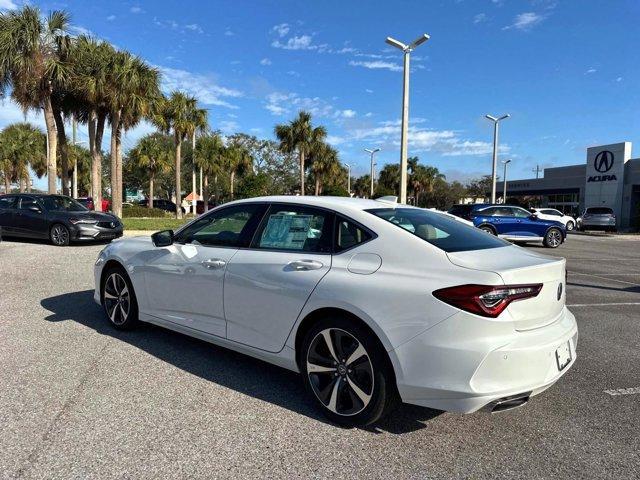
x: 518, y: 266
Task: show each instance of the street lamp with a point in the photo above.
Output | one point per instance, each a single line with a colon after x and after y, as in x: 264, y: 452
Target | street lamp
x: 372, y: 153
x: 495, y: 152
x: 504, y: 181
x: 406, y: 49
x: 348, y: 178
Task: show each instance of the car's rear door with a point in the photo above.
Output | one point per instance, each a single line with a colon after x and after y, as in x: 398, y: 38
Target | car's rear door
x: 266, y: 286
x: 185, y: 281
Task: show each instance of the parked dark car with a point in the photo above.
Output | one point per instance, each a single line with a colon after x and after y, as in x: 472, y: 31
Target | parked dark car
x: 466, y: 210
x: 162, y: 204
x: 58, y: 218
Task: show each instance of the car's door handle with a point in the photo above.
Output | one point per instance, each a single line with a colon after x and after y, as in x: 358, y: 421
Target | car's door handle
x: 214, y: 263
x: 305, y: 265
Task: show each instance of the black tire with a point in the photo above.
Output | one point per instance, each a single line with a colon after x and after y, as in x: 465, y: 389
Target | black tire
x: 59, y: 235
x: 371, y: 373
x: 570, y: 226
x: 488, y: 229
x: 553, y: 238
x: 119, y: 304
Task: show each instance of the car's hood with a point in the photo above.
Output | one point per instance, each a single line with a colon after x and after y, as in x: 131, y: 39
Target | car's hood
x: 97, y: 216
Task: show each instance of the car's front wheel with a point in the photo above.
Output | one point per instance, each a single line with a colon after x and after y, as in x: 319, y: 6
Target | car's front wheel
x: 119, y: 299
x: 488, y: 229
x: 59, y: 235
x: 553, y: 238
x: 347, y: 372
x: 570, y: 226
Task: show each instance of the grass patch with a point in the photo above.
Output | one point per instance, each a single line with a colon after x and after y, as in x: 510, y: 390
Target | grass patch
x: 153, y: 224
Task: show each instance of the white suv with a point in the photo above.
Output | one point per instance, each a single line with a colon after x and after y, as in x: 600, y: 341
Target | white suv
x: 553, y: 214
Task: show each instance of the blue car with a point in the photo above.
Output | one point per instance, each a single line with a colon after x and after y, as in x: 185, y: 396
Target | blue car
x: 518, y: 225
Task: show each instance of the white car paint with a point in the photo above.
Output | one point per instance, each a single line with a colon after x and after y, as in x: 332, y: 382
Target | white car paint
x: 552, y: 214
x: 443, y: 357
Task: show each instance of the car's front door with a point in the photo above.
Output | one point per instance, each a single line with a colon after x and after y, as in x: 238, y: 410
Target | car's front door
x: 267, y: 285
x: 30, y: 219
x: 7, y: 213
x: 185, y: 281
x: 526, y: 224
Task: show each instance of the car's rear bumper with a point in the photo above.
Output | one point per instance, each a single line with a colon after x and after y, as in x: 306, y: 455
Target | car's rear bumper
x: 465, y: 363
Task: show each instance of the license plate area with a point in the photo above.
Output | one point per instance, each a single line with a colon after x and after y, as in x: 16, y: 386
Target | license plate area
x: 563, y: 355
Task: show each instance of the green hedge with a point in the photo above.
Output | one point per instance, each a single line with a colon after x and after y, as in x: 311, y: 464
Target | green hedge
x: 129, y: 211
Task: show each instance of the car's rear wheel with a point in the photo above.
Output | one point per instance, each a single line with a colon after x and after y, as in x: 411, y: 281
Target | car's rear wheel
x: 59, y: 235
x: 570, y: 226
x: 488, y: 229
x: 347, y: 372
x: 119, y: 299
x: 553, y: 238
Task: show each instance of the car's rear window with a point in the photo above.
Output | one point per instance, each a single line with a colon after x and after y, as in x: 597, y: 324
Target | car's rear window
x: 446, y: 233
x: 599, y: 211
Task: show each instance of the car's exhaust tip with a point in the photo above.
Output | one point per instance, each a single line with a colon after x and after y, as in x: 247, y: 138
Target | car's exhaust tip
x: 507, y: 403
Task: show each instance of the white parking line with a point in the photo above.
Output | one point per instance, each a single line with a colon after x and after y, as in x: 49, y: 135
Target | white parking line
x: 623, y: 391
x: 603, y: 278
x: 601, y: 304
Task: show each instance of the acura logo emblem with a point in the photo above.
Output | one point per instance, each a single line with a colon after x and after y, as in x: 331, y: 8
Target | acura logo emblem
x: 559, y: 291
x: 603, y: 161
x: 112, y: 225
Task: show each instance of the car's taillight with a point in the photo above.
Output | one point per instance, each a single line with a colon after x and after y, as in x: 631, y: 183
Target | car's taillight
x: 486, y: 300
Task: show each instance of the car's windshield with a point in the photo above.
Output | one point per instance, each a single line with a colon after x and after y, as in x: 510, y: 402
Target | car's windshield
x: 59, y: 203
x: 599, y: 211
x: 444, y: 232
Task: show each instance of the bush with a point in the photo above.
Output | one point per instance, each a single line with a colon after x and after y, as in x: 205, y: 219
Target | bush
x: 129, y: 211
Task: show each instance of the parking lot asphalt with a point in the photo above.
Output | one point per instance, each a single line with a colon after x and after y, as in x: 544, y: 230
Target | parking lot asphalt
x: 79, y: 399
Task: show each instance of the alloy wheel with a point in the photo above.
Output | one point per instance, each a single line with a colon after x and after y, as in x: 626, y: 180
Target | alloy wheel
x: 570, y: 226
x: 59, y: 235
x: 117, y: 300
x: 340, y: 372
x: 554, y: 238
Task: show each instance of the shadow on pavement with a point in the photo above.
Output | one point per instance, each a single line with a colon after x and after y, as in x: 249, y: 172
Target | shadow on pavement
x: 216, y: 364
x: 37, y: 241
x: 631, y: 289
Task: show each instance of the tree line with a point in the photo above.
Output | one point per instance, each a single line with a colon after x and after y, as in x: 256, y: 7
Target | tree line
x: 98, y: 86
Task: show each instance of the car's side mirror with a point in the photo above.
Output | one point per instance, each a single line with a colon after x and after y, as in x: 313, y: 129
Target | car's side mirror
x: 35, y: 208
x: 163, y: 238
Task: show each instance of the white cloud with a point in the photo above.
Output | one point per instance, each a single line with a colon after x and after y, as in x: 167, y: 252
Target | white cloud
x: 377, y: 65
x: 345, y: 113
x: 229, y: 33
x: 525, y: 21
x: 10, y: 112
x: 479, y: 18
x: 368, y: 114
x: 136, y: 10
x: 7, y: 5
x: 302, y: 42
x: 281, y: 30
x: 111, y: 18
x: 293, y: 73
x: 619, y: 79
x: 194, y: 27
x: 284, y: 103
x: 203, y: 87
x: 228, y: 127
x: 77, y: 30
x: 347, y: 50
x: 335, y: 140
x: 368, y: 90
x: 591, y: 70
x: 265, y: 61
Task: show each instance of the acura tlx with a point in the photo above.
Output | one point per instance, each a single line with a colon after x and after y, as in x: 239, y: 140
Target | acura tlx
x: 373, y: 302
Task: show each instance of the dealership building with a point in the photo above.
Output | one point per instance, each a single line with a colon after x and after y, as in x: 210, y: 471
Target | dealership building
x: 609, y: 178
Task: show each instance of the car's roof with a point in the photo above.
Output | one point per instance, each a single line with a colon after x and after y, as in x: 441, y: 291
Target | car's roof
x: 335, y: 203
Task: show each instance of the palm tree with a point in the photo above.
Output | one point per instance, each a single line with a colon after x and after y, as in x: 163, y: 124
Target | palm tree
x: 324, y: 163
x: 32, y: 52
x: 154, y: 155
x: 178, y: 114
x: 299, y: 135
x: 90, y: 68
x: 22, y: 146
x: 422, y: 178
x: 236, y: 160
x: 132, y: 87
x: 208, y: 156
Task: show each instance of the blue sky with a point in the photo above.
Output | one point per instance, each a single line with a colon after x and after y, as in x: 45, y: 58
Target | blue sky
x: 566, y: 71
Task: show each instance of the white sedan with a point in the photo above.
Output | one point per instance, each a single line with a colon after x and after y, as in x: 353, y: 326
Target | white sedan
x: 553, y: 214
x: 371, y: 301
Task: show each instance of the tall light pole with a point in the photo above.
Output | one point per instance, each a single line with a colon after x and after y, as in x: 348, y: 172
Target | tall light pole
x: 406, y: 49
x: 504, y: 181
x: 495, y: 121
x: 372, y: 152
x: 348, y: 178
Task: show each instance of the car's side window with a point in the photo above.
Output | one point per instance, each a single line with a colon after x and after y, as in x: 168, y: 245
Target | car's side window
x: 348, y: 234
x: 229, y: 227
x: 503, y: 212
x: 520, y: 213
x: 7, y: 202
x: 295, y: 228
x: 487, y: 212
x: 27, y: 202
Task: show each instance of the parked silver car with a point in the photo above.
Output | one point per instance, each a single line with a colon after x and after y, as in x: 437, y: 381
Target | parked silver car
x: 597, y: 218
